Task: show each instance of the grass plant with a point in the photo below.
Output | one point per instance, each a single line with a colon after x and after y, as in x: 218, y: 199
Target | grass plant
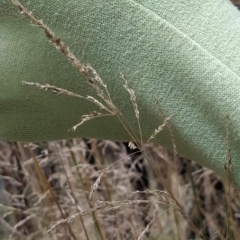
x: 54, y: 190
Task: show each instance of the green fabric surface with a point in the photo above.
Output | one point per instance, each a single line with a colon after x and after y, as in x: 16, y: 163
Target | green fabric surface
x: 185, y: 54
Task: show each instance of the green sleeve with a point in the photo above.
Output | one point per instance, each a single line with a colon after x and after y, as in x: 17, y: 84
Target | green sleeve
x: 184, y: 54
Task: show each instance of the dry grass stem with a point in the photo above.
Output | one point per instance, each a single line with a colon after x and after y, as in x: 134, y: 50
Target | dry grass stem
x: 228, y: 165
x: 103, y: 204
x: 147, y: 228
x: 19, y: 224
x: 71, y: 218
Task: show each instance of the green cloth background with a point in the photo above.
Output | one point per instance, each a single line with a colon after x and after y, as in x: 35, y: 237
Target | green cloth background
x: 184, y: 53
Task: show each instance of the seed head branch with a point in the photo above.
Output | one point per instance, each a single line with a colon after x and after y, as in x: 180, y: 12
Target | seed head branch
x: 57, y: 42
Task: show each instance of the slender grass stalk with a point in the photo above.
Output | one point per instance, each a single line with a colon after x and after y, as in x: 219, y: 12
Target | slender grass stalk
x: 72, y: 193
x: 95, y: 218
x: 45, y: 182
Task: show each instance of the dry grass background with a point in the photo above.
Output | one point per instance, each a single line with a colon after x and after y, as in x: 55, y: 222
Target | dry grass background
x: 71, y: 190
x: 90, y: 189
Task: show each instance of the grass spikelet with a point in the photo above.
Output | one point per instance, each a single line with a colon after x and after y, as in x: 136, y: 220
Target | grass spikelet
x: 101, y: 89
x: 88, y: 117
x: 160, y: 128
x: 53, y: 89
x: 170, y: 127
x: 132, y: 96
x: 95, y: 186
x: 133, y: 99
x: 132, y: 146
x: 97, y: 78
x: 99, y: 104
